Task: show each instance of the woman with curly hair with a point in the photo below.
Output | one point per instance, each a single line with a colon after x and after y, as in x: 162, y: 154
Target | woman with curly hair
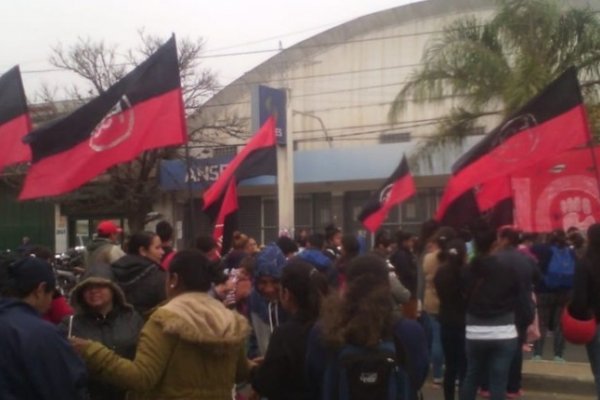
x: 363, y: 316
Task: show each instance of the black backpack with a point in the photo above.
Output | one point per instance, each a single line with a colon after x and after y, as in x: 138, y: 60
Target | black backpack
x: 359, y: 373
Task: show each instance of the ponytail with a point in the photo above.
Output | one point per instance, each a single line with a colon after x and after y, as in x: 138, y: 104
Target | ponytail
x: 195, y: 271
x: 307, y: 285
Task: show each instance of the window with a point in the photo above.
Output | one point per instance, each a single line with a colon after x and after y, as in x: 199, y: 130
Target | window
x: 224, y: 151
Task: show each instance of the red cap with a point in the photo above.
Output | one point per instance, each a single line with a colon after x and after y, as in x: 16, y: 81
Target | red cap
x: 108, y: 228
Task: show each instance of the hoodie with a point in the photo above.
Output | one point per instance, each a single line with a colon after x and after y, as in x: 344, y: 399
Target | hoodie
x: 190, y: 348
x: 102, y: 251
x: 119, y: 329
x: 265, y: 314
x: 142, y: 282
x: 322, y: 263
x: 26, y: 341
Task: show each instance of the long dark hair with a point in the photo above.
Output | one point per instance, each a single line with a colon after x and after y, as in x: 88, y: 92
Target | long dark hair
x: 196, y: 272
x: 454, y: 255
x: 484, y: 239
x: 307, y: 285
x: 363, y: 316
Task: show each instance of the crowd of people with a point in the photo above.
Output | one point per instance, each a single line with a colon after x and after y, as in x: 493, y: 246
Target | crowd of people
x: 319, y: 316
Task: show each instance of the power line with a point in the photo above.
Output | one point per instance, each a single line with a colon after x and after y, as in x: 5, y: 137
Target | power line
x: 292, y: 48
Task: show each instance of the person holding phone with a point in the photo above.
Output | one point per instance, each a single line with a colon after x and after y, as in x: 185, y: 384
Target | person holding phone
x: 102, y: 314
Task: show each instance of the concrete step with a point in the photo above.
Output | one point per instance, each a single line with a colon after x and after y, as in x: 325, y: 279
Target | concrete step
x: 573, y: 378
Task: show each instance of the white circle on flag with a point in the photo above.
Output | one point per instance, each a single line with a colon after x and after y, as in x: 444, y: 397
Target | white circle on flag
x: 115, y: 127
x: 510, y: 150
x: 385, y: 193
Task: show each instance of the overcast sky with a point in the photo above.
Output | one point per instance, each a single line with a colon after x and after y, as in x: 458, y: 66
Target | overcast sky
x: 30, y: 28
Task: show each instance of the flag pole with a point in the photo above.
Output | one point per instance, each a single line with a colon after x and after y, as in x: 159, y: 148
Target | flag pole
x: 190, y: 189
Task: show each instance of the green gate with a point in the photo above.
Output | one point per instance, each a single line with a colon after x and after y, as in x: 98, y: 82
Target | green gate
x: 34, y: 219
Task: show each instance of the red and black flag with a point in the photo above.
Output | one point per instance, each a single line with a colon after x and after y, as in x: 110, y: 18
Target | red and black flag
x: 397, y: 188
x: 142, y: 111
x: 551, y: 123
x: 225, y: 216
x: 257, y: 158
x: 558, y: 193
x: 14, y: 119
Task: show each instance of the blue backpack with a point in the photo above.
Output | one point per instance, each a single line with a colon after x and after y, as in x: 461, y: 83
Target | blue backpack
x: 358, y: 373
x: 561, y: 269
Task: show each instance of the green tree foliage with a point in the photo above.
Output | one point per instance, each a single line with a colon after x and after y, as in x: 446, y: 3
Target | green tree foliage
x: 495, y: 65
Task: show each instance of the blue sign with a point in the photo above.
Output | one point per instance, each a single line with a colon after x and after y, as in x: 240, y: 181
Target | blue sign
x: 267, y: 101
x: 202, y: 172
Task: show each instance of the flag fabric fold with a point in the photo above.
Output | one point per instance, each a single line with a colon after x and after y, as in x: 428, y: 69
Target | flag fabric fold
x: 15, y: 122
x: 551, y: 123
x: 224, y: 214
x: 219, y: 201
x: 396, y: 189
x: 142, y: 111
x: 257, y: 158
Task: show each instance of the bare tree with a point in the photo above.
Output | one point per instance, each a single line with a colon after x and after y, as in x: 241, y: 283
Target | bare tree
x: 132, y: 187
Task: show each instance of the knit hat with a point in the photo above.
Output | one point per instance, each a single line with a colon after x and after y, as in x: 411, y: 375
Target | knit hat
x: 26, y: 274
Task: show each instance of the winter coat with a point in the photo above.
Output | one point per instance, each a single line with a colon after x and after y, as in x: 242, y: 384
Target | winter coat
x: 400, y: 294
x: 492, y: 288
x: 431, y: 301
x: 119, y: 330
x: 102, y: 251
x: 191, y: 348
x: 264, y: 314
x: 142, y: 281
x: 281, y: 375
x: 405, y: 264
x: 322, y: 263
x: 36, y: 361
x: 528, y: 273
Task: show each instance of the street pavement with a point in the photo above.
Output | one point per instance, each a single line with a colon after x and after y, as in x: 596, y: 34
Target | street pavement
x: 547, y: 380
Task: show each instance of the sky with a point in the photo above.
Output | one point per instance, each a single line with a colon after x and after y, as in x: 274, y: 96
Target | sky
x: 30, y: 28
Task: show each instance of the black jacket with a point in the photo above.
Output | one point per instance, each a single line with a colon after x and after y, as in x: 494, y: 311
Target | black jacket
x: 492, y: 288
x: 119, y: 331
x: 449, y: 286
x: 405, y: 264
x: 142, y: 281
x: 528, y: 274
x: 282, y: 375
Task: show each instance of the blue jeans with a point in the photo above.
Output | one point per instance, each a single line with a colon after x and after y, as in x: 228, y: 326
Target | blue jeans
x: 435, y: 345
x: 491, y: 357
x: 593, y: 350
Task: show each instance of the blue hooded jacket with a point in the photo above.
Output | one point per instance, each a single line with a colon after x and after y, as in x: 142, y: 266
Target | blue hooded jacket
x: 322, y: 263
x: 36, y: 362
x: 265, y: 315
